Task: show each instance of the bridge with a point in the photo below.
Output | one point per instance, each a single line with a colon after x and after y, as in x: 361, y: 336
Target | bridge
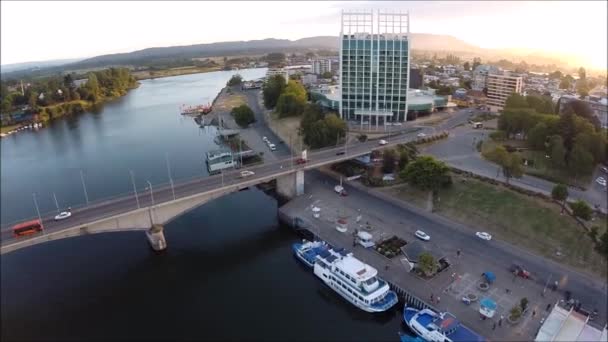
x: 149, y: 211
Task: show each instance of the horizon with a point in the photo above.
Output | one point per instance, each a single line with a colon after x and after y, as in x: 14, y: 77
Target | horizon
x: 302, y: 20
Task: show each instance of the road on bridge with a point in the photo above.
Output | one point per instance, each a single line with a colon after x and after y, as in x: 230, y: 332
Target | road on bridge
x: 231, y: 179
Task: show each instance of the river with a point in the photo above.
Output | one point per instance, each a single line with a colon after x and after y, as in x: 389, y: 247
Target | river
x: 228, y: 273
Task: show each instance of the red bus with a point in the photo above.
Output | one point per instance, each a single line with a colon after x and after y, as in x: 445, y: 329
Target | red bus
x: 27, y: 228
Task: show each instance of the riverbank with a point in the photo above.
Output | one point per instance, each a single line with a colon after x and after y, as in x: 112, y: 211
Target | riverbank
x: 152, y: 74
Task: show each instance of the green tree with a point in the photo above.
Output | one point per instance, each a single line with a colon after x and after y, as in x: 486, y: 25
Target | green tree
x: 560, y: 194
x: 512, y: 166
x: 235, y: 80
x: 516, y: 101
x: 581, y: 161
x: 93, y: 86
x: 556, y: 75
x: 388, y: 160
x: 476, y: 62
x: 558, y: 152
x: 467, y: 66
x: 581, y: 209
x: 427, y: 263
x: 273, y: 88
x: 289, y: 105
x: 537, y: 136
x: 275, y: 59
x: 582, y: 74
x: 427, y: 173
x: 243, y: 115
x: 297, y: 89
x: 407, y: 153
x: 33, y: 101
x: 602, y: 246
x: 326, y: 75
x: 565, y: 84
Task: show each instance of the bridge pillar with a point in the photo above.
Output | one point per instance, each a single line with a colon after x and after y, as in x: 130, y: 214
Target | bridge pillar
x: 156, y: 237
x: 292, y: 185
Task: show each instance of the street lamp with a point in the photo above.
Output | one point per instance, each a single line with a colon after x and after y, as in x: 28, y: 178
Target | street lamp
x: 36, y: 205
x: 86, y: 195
x: 56, y: 204
x: 169, y: 173
x: 151, y: 192
x: 134, y: 189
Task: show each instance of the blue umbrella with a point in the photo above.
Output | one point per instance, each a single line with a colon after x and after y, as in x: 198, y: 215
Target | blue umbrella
x: 488, y: 303
x: 490, y: 277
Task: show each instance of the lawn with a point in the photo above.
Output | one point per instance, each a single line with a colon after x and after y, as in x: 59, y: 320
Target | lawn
x: 5, y: 129
x: 522, y: 220
x: 287, y: 130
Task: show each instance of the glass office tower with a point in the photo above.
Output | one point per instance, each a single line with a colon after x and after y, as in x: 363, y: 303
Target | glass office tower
x: 374, y: 66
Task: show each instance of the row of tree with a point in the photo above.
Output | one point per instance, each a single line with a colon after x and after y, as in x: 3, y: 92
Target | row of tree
x: 113, y: 82
x: 320, y: 130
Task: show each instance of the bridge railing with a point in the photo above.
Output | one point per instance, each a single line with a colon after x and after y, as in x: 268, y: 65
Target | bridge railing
x: 287, y: 163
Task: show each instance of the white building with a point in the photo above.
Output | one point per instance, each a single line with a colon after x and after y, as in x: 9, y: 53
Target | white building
x: 321, y: 65
x: 480, y: 74
x: 500, y: 87
x: 568, y: 325
x: 277, y: 71
x: 309, y: 79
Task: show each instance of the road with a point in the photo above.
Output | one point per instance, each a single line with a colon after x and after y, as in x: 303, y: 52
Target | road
x: 164, y: 193
x: 477, y: 255
x: 459, y: 151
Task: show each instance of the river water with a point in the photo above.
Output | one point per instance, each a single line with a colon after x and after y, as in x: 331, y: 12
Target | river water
x: 228, y: 273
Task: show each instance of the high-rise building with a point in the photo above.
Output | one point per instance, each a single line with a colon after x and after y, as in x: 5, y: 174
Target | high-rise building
x: 374, y: 66
x: 500, y: 87
x: 321, y: 66
x: 415, y: 78
x: 480, y: 74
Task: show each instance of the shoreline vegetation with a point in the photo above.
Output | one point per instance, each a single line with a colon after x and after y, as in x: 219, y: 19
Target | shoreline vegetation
x: 169, y: 72
x: 56, y: 97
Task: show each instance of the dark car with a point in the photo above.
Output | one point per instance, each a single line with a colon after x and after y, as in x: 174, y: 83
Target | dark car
x: 300, y: 161
x: 339, y: 153
x: 519, y: 271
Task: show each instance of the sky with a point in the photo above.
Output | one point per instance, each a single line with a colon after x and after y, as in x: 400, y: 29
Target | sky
x: 46, y: 30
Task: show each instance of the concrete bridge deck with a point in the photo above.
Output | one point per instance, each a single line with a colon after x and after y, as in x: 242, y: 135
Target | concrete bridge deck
x: 160, y: 206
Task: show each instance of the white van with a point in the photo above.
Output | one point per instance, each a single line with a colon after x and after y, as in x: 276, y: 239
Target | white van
x: 272, y: 147
x: 365, y: 239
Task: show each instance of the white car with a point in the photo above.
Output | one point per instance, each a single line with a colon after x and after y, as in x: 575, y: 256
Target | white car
x: 338, y: 189
x: 272, y: 147
x: 63, y: 215
x: 421, y: 135
x: 396, y: 123
x: 422, y: 235
x: 382, y: 142
x: 247, y: 173
x: 264, y: 139
x: 601, y: 181
x: 484, y: 236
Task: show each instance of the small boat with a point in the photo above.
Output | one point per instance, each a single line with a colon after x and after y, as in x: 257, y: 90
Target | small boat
x: 435, y: 327
x: 307, y: 251
x: 354, y: 280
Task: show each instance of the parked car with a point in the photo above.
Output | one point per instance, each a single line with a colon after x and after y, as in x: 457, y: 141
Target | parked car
x: 247, y: 173
x: 63, y: 215
x: 601, y: 181
x: 272, y: 147
x: 422, y: 235
x: 382, y: 142
x: 484, y: 236
x: 265, y: 139
x: 339, y: 189
x: 339, y: 153
x: 421, y: 135
x: 300, y: 161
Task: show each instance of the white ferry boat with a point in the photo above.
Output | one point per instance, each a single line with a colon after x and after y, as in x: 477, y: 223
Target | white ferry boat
x: 307, y: 251
x: 354, y: 280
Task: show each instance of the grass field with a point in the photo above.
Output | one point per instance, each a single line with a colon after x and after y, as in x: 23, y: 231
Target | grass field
x: 407, y: 193
x: 143, y: 75
x: 287, y: 129
x: 525, y: 221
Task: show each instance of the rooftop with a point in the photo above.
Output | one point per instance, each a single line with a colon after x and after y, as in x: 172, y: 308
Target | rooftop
x: 356, y: 268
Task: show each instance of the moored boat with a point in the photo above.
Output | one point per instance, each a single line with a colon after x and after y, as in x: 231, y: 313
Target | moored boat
x: 438, y: 327
x: 307, y: 251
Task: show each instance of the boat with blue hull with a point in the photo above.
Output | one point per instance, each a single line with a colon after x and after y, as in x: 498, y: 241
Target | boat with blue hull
x: 307, y: 251
x: 438, y: 327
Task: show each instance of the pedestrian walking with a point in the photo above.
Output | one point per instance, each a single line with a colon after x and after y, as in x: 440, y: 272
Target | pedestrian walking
x: 438, y: 299
x: 494, y: 326
x: 548, y: 307
x: 458, y: 253
x: 533, y: 313
x: 432, y: 297
x: 500, y: 320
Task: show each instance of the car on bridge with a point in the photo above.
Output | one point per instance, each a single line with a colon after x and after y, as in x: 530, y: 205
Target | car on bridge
x: 300, y: 161
x: 247, y: 173
x: 63, y: 215
x: 382, y: 142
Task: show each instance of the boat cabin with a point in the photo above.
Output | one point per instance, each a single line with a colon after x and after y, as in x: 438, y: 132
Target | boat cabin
x: 365, y: 239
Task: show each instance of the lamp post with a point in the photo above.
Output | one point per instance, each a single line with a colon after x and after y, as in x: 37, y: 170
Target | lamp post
x: 151, y: 192
x: 56, y: 204
x: 86, y: 195
x: 134, y: 189
x: 169, y: 173
x: 36, y: 205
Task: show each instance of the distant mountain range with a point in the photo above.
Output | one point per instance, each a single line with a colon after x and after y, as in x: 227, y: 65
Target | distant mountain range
x: 36, y: 65
x: 420, y: 42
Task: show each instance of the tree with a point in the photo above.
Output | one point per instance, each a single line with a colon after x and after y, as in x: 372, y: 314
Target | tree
x: 558, y: 152
x: 243, y: 115
x: 581, y: 161
x: 537, y: 136
x: 556, y: 75
x: 560, y: 194
x: 388, y: 160
x: 33, y: 101
x: 516, y: 101
x: 582, y: 74
x: 602, y: 246
x: 93, y: 86
x: 297, y: 89
x: 407, y: 152
x: 512, y: 166
x: 427, y: 173
x: 467, y: 66
x: 235, y: 80
x: 476, y: 62
x: 565, y: 84
x: 427, y: 263
x: 326, y: 75
x: 272, y: 90
x: 581, y: 209
x: 275, y: 59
